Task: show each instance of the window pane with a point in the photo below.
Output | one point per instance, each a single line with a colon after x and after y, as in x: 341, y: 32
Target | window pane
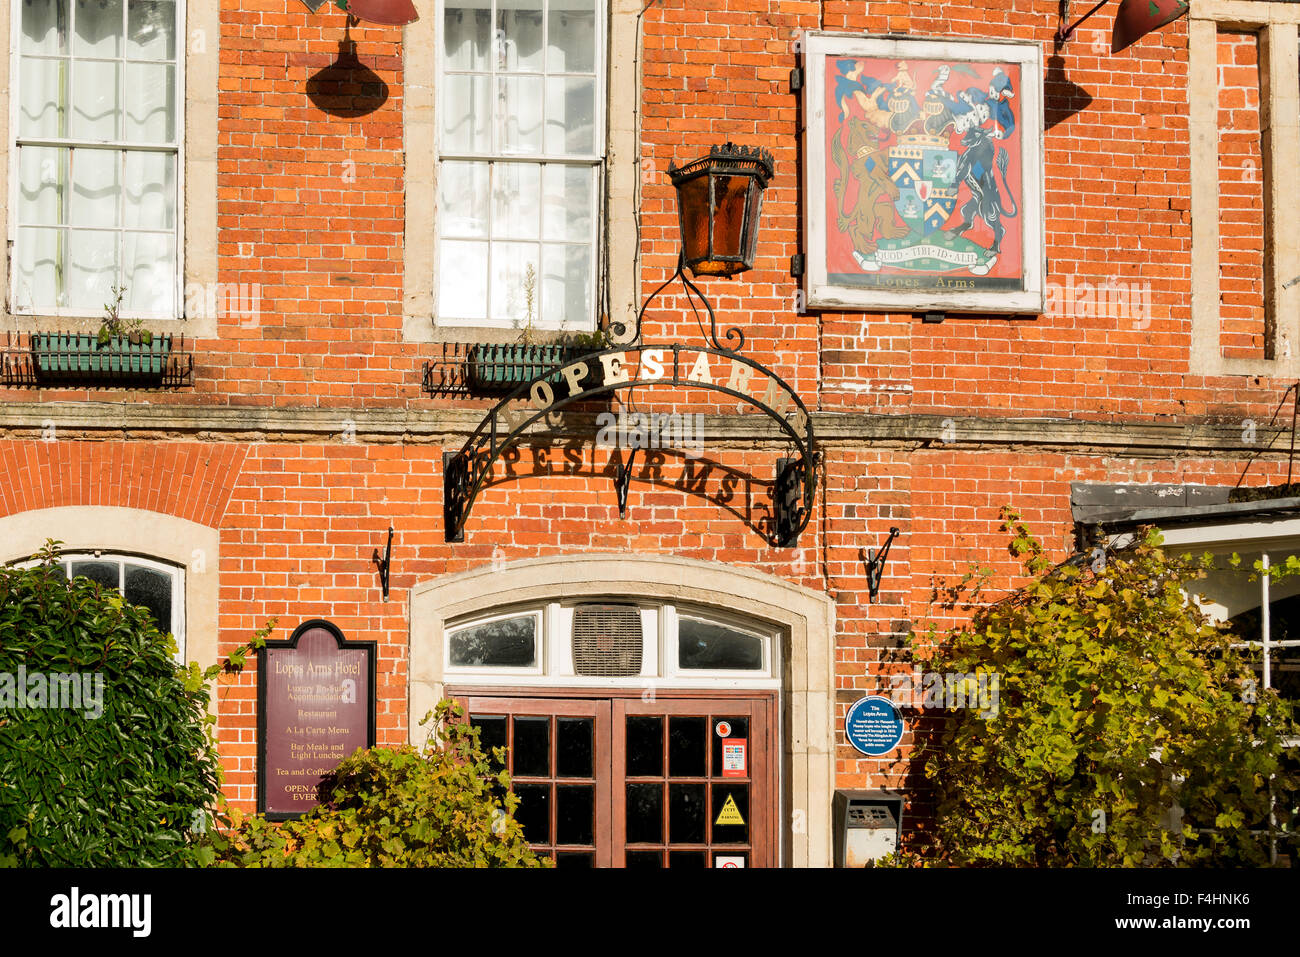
x: 462, y: 282
x: 467, y: 34
x: 532, y: 747
x: 686, y: 813
x: 95, y: 105
x: 463, y: 203
x: 42, y: 180
x: 150, y: 103
x: 519, y: 30
x: 107, y: 574
x: 510, y: 643
x: 491, y: 734
x: 41, y: 105
x: 567, y: 195
x: 466, y: 114
x: 520, y: 120
x: 153, y: 590
x: 510, y: 262
x: 645, y: 746
x: 45, y: 27
x: 98, y: 28
x: 96, y: 189
x: 574, y: 747
x: 516, y: 194
x: 534, y: 811
x: 686, y: 754
x: 570, y: 116
x: 150, y: 201
x: 41, y: 264
x: 151, y: 30
x: 645, y: 813
x: 566, y: 289
x: 149, y: 272
x: 703, y: 644
x: 571, y: 41
x: 93, y: 258
x: 575, y: 808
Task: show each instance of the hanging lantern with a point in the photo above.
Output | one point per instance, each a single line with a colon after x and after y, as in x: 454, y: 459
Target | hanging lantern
x: 719, y: 198
x: 1136, y: 18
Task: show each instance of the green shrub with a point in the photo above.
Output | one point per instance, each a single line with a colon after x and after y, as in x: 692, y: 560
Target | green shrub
x: 120, y: 788
x: 444, y: 806
x: 1118, y: 700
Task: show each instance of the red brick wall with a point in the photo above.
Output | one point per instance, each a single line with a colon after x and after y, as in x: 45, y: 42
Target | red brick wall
x: 299, y: 521
x: 310, y: 207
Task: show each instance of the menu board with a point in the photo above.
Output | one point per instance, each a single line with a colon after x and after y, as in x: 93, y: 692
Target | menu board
x: 316, y: 706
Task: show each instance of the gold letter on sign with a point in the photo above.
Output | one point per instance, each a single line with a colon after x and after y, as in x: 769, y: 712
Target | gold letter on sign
x: 573, y: 375
x: 774, y: 397
x: 740, y: 373
x: 652, y: 364
x: 543, y: 394
x: 700, y: 371
x: 614, y: 369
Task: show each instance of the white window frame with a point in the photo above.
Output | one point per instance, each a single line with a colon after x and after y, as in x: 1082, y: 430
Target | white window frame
x: 539, y: 645
x: 595, y: 161
x: 16, y: 142
x: 659, y: 636
x: 175, y: 572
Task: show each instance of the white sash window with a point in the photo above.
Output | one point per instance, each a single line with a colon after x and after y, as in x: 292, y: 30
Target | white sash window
x: 521, y: 143
x: 96, y: 169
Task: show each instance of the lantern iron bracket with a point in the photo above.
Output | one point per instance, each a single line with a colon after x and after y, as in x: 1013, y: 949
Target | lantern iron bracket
x: 1063, y: 32
x: 384, y: 564
x: 875, y: 561
x: 618, y: 330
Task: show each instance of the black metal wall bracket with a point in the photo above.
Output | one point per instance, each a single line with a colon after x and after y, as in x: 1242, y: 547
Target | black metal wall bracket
x: 384, y: 564
x: 875, y: 561
x: 622, y: 479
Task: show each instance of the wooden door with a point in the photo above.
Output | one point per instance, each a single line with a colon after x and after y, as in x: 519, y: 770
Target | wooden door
x: 617, y: 781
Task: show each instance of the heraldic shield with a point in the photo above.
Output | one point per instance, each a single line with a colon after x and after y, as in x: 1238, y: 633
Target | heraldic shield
x: 925, y: 171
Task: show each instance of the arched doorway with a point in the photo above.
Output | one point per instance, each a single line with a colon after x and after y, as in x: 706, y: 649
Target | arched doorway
x: 656, y: 711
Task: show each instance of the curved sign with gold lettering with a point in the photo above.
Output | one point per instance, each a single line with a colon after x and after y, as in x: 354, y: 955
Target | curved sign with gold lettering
x: 626, y: 367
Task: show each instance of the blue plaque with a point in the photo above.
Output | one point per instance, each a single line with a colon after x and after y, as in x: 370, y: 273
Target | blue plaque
x: 873, y: 725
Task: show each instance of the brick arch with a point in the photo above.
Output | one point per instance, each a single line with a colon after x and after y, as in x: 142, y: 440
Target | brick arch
x: 190, y: 480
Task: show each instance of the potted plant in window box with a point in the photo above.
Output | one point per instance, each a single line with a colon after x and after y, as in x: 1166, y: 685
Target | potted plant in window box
x: 503, y: 367
x: 122, y: 350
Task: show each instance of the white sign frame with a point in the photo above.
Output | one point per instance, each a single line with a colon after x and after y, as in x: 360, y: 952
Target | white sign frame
x: 819, y: 48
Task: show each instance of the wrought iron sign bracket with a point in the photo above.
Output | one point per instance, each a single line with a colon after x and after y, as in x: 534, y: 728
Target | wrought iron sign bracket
x: 384, y: 564
x: 876, y: 562
x: 467, y: 471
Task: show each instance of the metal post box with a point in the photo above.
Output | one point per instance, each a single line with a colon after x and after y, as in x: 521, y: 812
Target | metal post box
x: 868, y: 826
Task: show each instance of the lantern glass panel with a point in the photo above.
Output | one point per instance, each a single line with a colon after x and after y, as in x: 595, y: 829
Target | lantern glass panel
x: 694, y: 198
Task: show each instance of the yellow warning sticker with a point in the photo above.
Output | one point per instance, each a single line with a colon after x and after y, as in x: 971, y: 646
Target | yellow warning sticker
x: 730, y: 814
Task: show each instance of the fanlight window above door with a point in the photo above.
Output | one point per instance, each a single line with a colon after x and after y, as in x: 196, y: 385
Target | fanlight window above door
x: 612, y: 641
